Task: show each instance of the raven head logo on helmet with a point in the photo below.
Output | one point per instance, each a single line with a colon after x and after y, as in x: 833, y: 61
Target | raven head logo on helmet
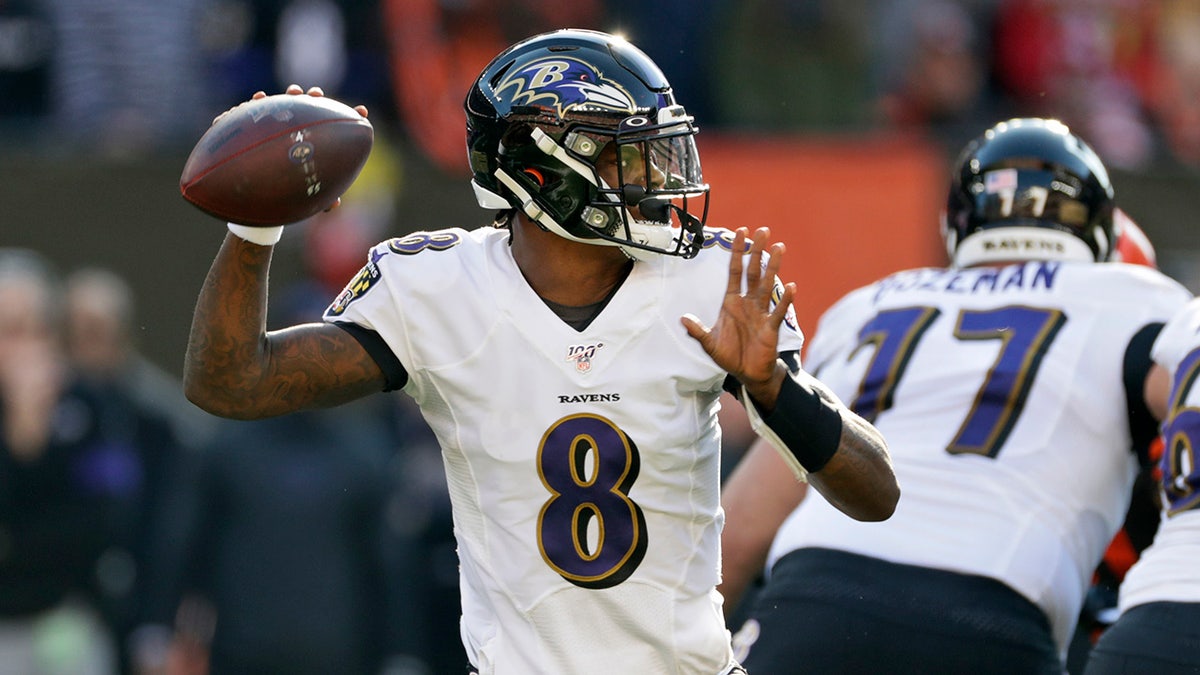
x: 545, y: 116
x: 565, y: 84
x: 1028, y: 189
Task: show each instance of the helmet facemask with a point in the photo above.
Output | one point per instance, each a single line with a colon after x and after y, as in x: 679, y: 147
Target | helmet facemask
x: 637, y: 187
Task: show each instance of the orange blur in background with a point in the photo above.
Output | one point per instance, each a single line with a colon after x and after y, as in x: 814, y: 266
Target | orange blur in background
x: 850, y: 212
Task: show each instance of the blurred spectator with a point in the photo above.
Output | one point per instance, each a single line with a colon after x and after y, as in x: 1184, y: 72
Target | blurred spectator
x: 280, y: 527
x: 127, y: 73
x: 318, y: 542
x: 56, y: 474
x: 1175, y: 86
x: 685, y: 52
x: 237, y: 39
x: 311, y: 44
x: 335, y: 44
x: 792, y: 66
x: 101, y: 341
x: 931, y: 66
x: 142, y: 414
x: 26, y: 46
x: 425, y: 569
x: 437, y: 49
x: 1084, y: 62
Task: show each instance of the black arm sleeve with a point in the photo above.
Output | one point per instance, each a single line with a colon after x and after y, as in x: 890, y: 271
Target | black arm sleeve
x: 393, y: 370
x: 803, y: 420
x: 1142, y: 425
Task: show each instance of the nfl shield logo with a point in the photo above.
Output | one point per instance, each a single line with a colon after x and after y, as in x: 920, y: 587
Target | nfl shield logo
x: 582, y: 355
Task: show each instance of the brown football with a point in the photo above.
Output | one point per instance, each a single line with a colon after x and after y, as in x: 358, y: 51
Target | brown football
x: 277, y: 160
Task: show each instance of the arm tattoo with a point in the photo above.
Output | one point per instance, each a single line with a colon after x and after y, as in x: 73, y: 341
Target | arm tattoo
x: 234, y: 368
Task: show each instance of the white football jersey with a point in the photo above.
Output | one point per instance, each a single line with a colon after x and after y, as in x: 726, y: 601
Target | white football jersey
x: 583, y: 467
x: 1000, y: 393
x: 1167, y: 570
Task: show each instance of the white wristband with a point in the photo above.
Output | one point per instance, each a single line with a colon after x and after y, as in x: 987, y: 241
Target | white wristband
x: 263, y: 236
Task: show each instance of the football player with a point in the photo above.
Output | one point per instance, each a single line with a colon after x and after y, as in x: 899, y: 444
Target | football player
x: 1158, y: 629
x: 1009, y: 386
x: 577, y: 417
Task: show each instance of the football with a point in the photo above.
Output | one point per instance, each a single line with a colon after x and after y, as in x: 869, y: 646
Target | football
x: 277, y: 160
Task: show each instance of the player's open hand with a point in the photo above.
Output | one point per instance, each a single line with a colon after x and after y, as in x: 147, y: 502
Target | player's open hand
x: 745, y: 338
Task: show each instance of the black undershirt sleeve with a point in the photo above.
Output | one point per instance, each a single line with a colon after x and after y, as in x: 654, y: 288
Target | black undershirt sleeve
x: 393, y: 371
x: 791, y: 359
x: 1142, y: 425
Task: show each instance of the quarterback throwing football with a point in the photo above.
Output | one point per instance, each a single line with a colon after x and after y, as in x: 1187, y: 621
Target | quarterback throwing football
x: 577, y: 416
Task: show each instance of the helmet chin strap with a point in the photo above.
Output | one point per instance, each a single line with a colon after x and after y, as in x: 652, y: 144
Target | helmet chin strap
x: 530, y: 208
x: 644, y: 232
x: 535, y: 212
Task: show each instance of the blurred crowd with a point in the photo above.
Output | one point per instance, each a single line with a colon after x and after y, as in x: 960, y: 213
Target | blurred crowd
x: 135, y: 76
x: 140, y: 536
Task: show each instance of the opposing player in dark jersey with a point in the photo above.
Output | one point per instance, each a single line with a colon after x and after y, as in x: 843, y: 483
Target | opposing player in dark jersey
x: 1010, y: 389
x: 570, y: 359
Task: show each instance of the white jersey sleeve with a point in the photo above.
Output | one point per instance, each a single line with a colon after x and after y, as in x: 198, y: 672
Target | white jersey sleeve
x: 1001, y: 394
x: 1167, y: 570
x: 583, y: 466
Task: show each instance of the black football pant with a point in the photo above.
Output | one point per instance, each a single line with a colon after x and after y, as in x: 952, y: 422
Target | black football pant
x: 827, y: 612
x: 1159, y: 637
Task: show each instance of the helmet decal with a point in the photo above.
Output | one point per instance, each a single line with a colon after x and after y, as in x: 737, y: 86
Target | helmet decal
x: 565, y: 84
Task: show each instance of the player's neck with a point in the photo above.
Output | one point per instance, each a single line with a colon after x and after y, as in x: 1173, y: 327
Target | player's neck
x: 566, y: 272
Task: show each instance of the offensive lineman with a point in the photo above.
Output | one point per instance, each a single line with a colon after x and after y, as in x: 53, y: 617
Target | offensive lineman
x: 1010, y: 389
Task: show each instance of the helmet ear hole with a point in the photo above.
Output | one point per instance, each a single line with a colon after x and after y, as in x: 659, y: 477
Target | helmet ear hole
x: 535, y: 175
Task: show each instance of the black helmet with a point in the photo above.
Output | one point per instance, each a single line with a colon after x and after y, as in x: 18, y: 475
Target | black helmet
x: 1029, y: 189
x: 541, y: 114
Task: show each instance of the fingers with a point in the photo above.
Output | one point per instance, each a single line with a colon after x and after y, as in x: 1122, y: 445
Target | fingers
x: 695, y: 329
x: 760, y: 277
x: 734, y: 285
x: 319, y: 92
x: 754, y: 271
x: 771, y: 272
x: 296, y: 90
x: 784, y: 305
